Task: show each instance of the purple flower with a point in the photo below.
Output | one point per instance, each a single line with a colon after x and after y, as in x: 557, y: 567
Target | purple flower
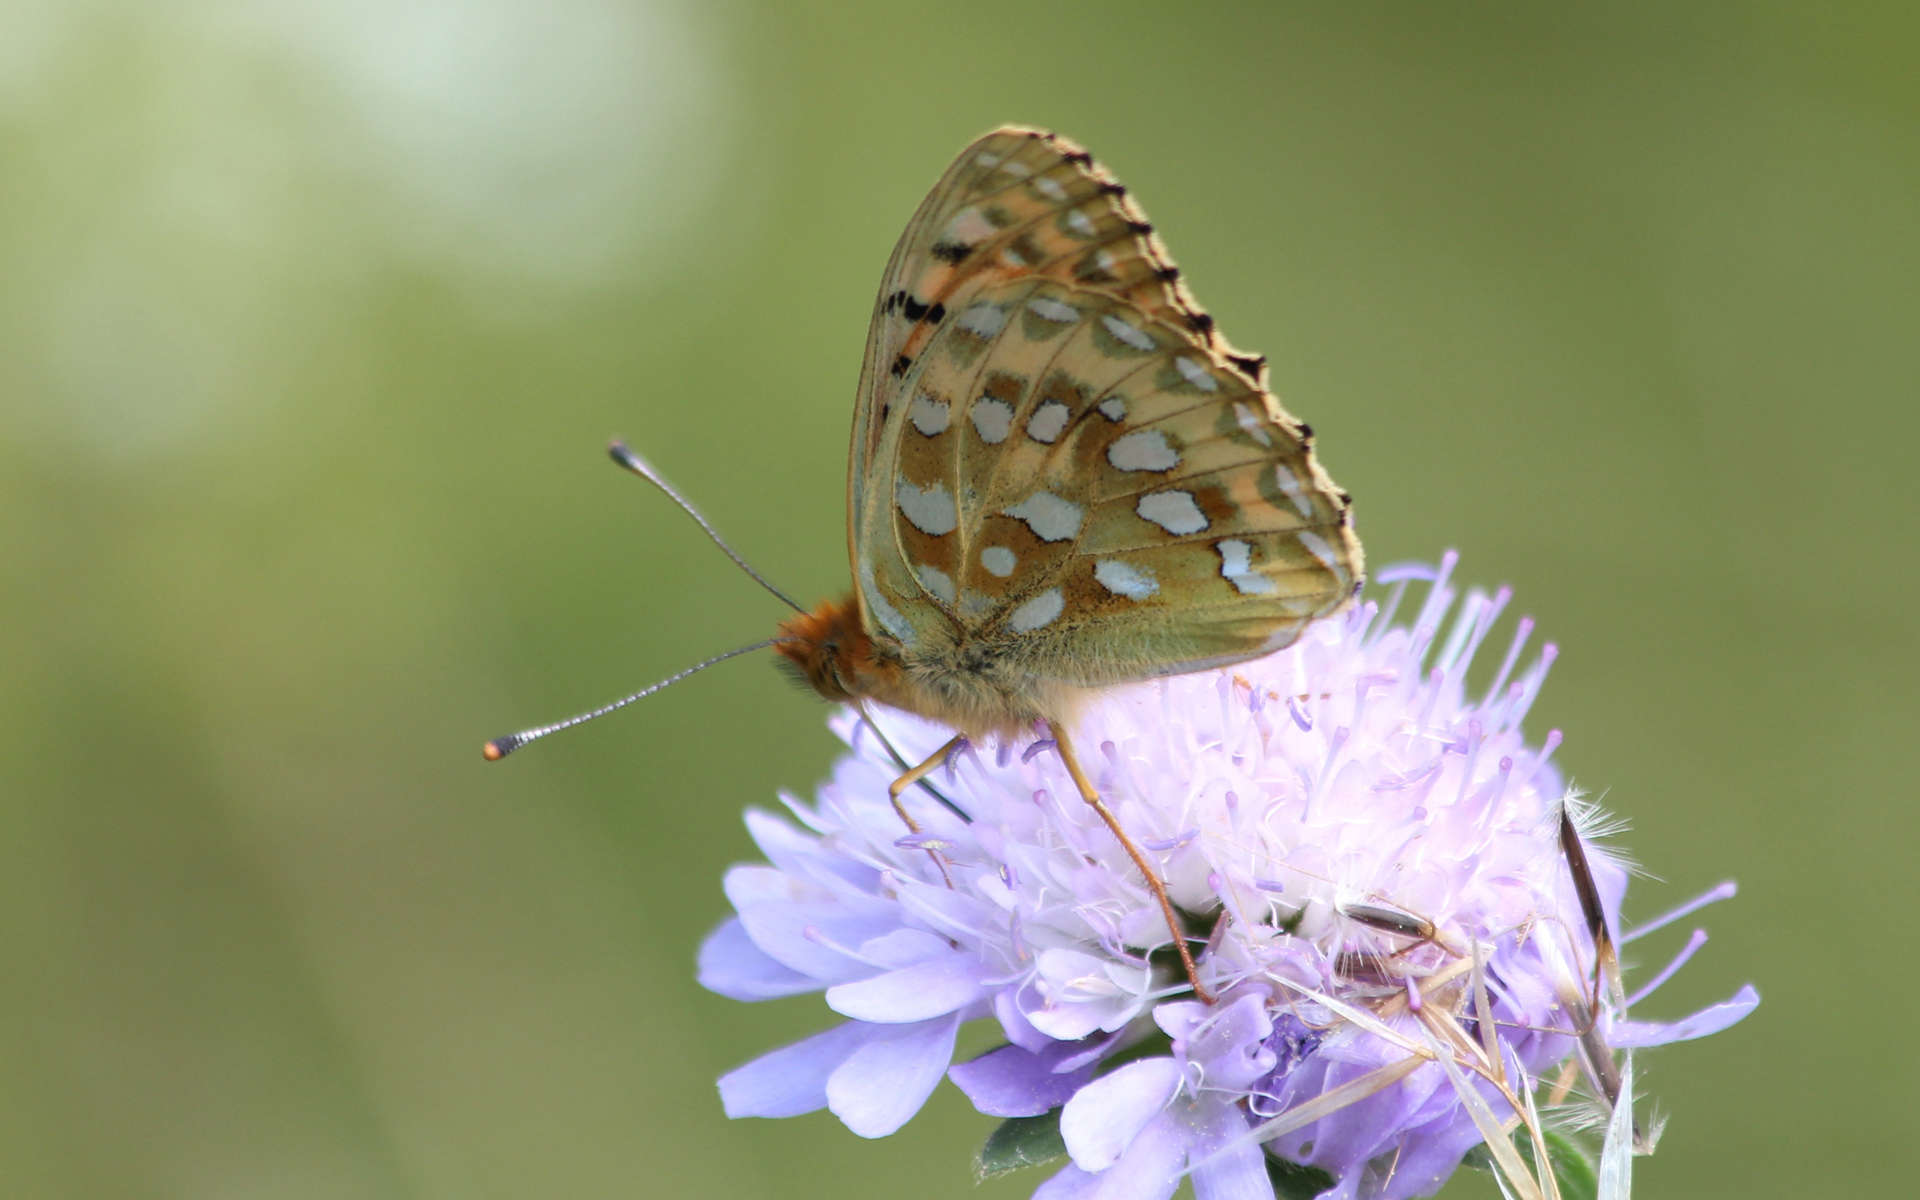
x: 1369, y: 849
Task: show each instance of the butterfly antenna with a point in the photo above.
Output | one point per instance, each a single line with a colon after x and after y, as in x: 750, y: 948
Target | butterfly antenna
x: 623, y: 455
x: 500, y: 747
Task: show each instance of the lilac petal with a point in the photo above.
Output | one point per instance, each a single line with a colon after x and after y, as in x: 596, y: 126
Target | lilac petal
x: 1430, y: 1153
x: 1151, y: 1167
x: 1238, y: 1173
x: 785, y: 847
x: 810, y: 938
x: 1010, y: 1082
x: 733, y: 966
x: 793, y: 1079
x: 1179, y: 1018
x: 1224, y: 1162
x: 1070, y: 1022
x: 1710, y: 1020
x: 916, y: 993
x: 1089, y: 1052
x: 903, y: 948
x: 1014, y: 1023
x: 1107, y: 1115
x: 1077, y: 994
x: 1069, y: 1183
x: 1229, y: 1042
x: 883, y: 1083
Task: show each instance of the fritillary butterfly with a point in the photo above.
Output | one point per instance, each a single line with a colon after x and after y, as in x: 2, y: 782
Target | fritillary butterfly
x: 1062, y: 476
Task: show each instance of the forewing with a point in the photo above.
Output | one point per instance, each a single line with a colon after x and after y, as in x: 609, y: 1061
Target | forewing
x: 1057, y: 459
x: 1017, y: 203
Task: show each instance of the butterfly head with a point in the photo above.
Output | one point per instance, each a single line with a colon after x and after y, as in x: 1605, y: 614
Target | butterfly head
x: 829, y: 651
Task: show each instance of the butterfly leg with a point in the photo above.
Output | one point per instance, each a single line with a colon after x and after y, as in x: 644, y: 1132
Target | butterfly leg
x: 915, y: 775
x: 1091, y: 795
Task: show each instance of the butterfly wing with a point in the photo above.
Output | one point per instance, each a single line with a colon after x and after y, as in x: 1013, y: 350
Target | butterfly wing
x: 1016, y: 203
x: 1058, y: 464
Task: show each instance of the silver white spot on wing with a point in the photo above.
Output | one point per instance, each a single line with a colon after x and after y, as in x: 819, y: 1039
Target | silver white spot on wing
x: 1114, y: 408
x: 983, y: 319
x: 1050, y: 188
x: 1037, y: 612
x: 1195, y: 372
x: 1049, y: 309
x: 1047, y: 421
x: 987, y: 159
x: 1126, y: 332
x: 1322, y: 550
x: 928, y: 414
x: 1078, y: 222
x: 1174, y: 511
x: 1051, y: 518
x: 889, y: 617
x: 938, y: 583
x: 992, y: 419
x: 999, y: 561
x: 1016, y: 168
x: 1143, y: 450
x: 1289, y: 484
x: 1236, y: 567
x: 1125, y: 579
x: 1252, y: 423
x: 930, y: 509
x: 1012, y: 257
x: 967, y: 227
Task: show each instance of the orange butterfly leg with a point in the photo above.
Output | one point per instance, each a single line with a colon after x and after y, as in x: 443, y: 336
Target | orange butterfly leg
x: 915, y: 775
x: 1092, y: 796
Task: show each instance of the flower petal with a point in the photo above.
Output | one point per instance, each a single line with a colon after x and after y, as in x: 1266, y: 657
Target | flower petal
x: 1011, y: 1082
x: 1151, y: 1167
x: 1228, y: 1040
x: 1069, y: 1183
x: 1238, y: 1173
x: 1224, y: 1161
x: 1076, y: 994
x: 1709, y: 1020
x: 733, y: 966
x: 916, y: 993
x: 1107, y: 1115
x: 793, y: 1079
x: 797, y: 852
x: 813, y: 939
x: 884, y: 1082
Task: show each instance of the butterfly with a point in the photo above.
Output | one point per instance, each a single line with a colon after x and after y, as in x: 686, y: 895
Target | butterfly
x: 1062, y: 476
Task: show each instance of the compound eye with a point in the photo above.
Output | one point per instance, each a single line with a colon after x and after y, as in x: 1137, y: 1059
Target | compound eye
x: 830, y: 667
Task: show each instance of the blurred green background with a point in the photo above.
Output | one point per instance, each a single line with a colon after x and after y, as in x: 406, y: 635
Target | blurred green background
x: 314, y: 320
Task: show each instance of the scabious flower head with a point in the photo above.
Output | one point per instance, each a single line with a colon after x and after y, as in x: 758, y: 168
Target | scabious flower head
x: 1365, y: 850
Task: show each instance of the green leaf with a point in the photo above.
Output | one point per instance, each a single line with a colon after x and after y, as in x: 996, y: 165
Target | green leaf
x: 1021, y: 1142
x: 1573, y: 1167
x: 1291, y: 1181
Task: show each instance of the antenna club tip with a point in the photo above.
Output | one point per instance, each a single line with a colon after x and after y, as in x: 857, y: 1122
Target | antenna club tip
x: 500, y: 747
